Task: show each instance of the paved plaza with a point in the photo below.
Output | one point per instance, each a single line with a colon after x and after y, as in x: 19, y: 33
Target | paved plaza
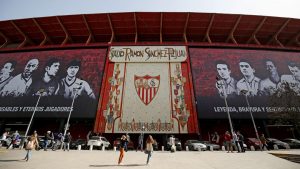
x: 85, y: 159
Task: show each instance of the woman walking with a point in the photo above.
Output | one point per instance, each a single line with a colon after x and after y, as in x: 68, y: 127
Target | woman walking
x: 122, y: 146
x: 149, y: 147
x: 29, y: 147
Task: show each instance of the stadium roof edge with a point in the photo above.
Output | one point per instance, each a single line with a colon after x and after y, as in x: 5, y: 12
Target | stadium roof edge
x: 156, y: 27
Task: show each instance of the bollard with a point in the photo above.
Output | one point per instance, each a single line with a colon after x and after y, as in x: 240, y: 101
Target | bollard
x: 223, y: 148
x: 252, y: 148
x: 103, y: 148
x: 115, y: 148
x: 91, y: 147
x: 79, y: 147
x: 211, y: 148
x: 186, y: 148
x: 162, y: 148
x: 275, y: 147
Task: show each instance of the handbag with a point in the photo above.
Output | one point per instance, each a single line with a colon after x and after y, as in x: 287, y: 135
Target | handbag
x: 29, y: 145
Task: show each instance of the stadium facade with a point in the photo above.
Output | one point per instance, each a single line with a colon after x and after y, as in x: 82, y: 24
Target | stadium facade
x: 151, y: 72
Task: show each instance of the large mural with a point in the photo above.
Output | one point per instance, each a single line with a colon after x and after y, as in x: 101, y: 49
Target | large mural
x: 58, y: 77
x: 269, y: 80
x: 147, y: 89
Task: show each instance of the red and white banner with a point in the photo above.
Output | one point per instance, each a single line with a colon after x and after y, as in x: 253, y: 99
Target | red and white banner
x: 153, y: 97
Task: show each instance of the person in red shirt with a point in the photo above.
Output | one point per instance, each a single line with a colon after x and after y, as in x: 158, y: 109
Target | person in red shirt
x: 228, y: 141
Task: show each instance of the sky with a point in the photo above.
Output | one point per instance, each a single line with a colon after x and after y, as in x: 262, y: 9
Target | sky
x: 20, y: 9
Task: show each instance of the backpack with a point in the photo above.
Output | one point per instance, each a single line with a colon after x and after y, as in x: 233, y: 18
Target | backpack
x: 29, y: 145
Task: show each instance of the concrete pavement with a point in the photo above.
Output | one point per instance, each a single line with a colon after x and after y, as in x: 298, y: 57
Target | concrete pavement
x: 85, y: 159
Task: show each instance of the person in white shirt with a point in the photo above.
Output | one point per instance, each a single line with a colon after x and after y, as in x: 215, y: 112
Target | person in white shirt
x: 19, y: 85
x: 225, y: 84
x: 71, y: 85
x: 249, y: 82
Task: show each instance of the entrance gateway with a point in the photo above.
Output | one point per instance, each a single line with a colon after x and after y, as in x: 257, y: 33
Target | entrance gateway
x: 147, y: 89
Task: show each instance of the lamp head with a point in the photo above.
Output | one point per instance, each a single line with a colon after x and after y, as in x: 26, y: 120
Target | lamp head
x: 244, y: 92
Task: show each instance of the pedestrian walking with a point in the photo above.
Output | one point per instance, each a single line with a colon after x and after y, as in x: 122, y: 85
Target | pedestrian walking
x: 263, y: 141
x: 172, y: 144
x: 228, y: 141
x: 29, y: 147
x: 35, y: 140
x: 48, y: 138
x: 126, y: 144
x: 241, y: 141
x: 140, y: 142
x: 3, y: 138
x: 149, y: 148
x: 122, y: 151
x: 67, y: 141
x: 236, y: 141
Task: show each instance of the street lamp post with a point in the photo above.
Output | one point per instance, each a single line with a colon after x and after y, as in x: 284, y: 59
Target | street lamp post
x: 76, y: 93
x: 143, y: 128
x: 40, y: 93
x: 222, y: 82
x: 244, y: 92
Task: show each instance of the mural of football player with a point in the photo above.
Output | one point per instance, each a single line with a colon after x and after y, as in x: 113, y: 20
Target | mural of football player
x: 225, y: 83
x: 293, y: 80
x: 48, y: 82
x: 5, y: 73
x: 71, y: 85
x: 249, y: 82
x: 269, y: 85
x: 19, y: 85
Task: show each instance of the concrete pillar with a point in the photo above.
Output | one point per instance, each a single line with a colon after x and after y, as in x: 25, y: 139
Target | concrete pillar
x: 162, y: 148
x: 211, y: 148
x: 115, y: 148
x: 186, y: 148
x: 103, y: 148
x: 252, y: 148
x: 223, y: 148
x: 275, y: 147
x: 79, y: 147
x: 91, y: 147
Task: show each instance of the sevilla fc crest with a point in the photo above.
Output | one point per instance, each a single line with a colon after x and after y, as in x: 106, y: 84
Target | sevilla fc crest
x: 146, y: 87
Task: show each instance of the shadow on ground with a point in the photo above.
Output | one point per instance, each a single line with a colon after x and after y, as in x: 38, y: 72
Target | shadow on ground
x: 125, y: 165
x: 11, y: 160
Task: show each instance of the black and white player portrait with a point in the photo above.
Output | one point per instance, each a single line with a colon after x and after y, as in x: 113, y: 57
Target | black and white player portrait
x: 249, y: 82
x: 268, y: 86
x: 226, y: 85
x: 71, y: 85
x: 293, y: 80
x: 6, y: 73
x: 19, y: 85
x: 48, y: 82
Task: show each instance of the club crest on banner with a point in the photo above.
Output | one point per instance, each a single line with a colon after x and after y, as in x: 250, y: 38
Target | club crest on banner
x: 146, y: 87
